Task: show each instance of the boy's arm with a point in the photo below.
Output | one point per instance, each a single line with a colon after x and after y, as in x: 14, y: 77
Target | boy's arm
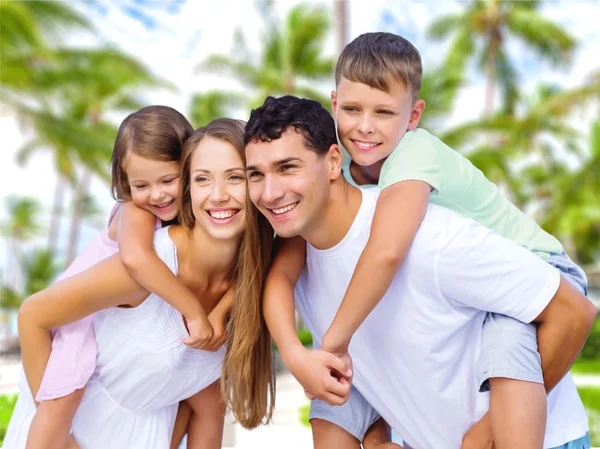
x: 398, y: 215
x: 104, y: 285
x: 311, y: 368
x: 135, y: 238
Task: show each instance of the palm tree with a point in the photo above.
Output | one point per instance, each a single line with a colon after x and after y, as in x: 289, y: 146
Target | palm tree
x: 211, y: 105
x: 492, y: 22
x: 291, y: 56
x: 340, y: 8
x: 22, y: 225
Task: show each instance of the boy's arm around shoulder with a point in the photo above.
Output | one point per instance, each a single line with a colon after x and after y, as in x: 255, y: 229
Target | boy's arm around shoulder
x: 398, y: 215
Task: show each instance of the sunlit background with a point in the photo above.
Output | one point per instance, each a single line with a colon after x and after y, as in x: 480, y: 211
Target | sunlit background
x: 513, y: 85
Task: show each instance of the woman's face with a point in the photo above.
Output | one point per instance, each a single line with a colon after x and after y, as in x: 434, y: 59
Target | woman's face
x: 218, y: 188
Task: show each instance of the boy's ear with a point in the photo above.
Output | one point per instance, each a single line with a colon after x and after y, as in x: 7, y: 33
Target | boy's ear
x: 334, y: 161
x: 334, y: 102
x: 415, y: 114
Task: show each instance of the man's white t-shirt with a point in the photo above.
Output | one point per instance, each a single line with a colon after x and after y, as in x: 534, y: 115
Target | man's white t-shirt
x: 415, y: 354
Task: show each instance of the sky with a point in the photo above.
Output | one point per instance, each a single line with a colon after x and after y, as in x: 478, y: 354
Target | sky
x: 172, y: 37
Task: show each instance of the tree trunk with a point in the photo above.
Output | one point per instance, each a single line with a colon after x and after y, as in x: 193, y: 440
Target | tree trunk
x: 341, y: 23
x: 57, y: 208
x: 491, y: 76
x: 78, y: 210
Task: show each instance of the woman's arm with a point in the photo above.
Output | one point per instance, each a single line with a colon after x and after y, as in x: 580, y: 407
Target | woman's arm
x: 104, y: 285
x: 135, y: 238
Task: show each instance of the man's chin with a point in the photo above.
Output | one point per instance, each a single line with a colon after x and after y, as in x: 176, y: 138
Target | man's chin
x: 285, y: 233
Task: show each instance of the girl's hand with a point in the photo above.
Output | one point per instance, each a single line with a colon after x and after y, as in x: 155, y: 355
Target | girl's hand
x: 201, y: 332
x: 218, y: 321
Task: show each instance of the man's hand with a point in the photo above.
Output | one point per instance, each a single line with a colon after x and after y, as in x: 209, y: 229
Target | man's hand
x: 200, y: 331
x: 323, y: 375
x: 479, y: 436
x: 218, y: 321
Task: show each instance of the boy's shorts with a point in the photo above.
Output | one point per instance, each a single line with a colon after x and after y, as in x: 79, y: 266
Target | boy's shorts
x: 509, y: 349
x: 581, y: 443
x: 355, y: 416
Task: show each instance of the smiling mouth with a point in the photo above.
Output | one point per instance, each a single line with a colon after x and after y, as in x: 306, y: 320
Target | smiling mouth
x: 365, y: 145
x: 163, y: 205
x: 222, y: 214
x: 284, y: 209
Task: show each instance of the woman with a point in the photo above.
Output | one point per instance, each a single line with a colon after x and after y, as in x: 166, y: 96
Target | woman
x: 143, y: 368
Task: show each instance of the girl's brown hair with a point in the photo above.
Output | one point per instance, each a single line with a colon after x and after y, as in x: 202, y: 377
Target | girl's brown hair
x: 153, y: 132
x: 247, y: 381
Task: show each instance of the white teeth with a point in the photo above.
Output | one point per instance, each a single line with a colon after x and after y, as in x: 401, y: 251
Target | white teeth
x: 284, y: 209
x: 168, y: 203
x: 365, y: 144
x: 222, y: 214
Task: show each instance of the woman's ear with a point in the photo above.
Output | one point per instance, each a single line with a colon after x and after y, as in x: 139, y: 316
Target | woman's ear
x: 335, y: 162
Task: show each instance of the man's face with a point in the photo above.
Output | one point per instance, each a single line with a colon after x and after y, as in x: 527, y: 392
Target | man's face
x: 288, y: 183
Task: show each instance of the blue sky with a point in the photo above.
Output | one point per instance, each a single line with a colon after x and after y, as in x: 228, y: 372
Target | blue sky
x: 171, y: 37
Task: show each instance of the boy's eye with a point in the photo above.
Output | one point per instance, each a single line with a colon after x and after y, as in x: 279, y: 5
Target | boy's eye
x: 350, y: 108
x: 384, y: 111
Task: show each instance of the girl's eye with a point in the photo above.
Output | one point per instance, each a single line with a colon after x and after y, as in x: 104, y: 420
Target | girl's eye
x: 139, y: 186
x: 169, y: 181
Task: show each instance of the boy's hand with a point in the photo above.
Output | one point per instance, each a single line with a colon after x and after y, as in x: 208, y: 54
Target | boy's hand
x: 218, y: 321
x: 200, y: 331
x: 479, y: 436
x: 324, y: 375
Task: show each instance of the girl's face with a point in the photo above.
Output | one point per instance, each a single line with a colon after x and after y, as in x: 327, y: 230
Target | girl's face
x: 218, y: 188
x: 154, y: 185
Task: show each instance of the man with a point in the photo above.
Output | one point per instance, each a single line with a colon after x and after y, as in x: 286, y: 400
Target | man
x: 415, y: 355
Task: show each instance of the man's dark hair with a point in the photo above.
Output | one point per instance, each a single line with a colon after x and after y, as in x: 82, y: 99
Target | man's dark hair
x: 307, y: 117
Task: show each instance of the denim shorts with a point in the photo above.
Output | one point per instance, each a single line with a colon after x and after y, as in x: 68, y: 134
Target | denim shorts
x: 509, y: 347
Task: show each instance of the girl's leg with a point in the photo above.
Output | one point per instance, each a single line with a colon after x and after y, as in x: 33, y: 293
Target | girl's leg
x: 51, y: 425
x: 182, y: 422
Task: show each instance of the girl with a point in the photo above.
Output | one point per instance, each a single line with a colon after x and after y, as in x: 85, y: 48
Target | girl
x: 143, y: 369
x: 145, y: 169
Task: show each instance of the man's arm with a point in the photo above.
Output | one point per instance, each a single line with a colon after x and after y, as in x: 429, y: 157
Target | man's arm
x: 563, y: 327
x: 311, y: 368
x: 399, y: 212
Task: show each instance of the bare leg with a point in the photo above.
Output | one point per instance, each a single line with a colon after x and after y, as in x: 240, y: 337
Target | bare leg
x: 379, y: 436
x: 205, y: 430
x: 327, y: 435
x: 51, y: 425
x: 518, y: 413
x: 182, y: 422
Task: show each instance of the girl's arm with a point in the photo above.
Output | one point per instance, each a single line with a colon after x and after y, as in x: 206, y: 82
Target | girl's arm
x: 205, y: 430
x: 107, y: 284
x: 218, y: 319
x: 135, y: 238
x: 398, y: 215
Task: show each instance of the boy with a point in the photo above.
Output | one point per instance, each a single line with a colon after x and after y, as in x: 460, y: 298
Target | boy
x: 377, y: 110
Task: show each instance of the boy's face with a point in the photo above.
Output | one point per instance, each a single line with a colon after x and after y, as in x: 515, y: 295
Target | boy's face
x: 289, y: 183
x: 370, y: 121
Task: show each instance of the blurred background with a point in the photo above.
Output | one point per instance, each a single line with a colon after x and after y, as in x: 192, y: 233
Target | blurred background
x: 513, y: 85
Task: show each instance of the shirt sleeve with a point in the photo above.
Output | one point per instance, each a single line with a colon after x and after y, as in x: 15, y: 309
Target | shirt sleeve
x: 481, y: 269
x: 415, y: 158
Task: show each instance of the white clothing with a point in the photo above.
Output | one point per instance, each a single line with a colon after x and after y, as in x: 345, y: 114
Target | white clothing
x: 143, y: 371
x: 415, y: 354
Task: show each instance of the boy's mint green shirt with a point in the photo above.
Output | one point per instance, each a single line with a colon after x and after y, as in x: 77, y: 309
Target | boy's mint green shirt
x: 460, y: 186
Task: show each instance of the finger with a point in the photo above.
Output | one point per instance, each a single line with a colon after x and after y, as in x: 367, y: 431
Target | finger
x: 337, y: 388
x: 338, y: 365
x: 333, y: 399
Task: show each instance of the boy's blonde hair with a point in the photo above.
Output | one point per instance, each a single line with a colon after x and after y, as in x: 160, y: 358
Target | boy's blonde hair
x: 379, y: 60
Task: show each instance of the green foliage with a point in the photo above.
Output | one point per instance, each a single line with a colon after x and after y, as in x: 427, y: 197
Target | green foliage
x: 590, y: 397
x: 7, y: 405
x: 305, y: 337
x: 591, y: 350
x: 304, y: 413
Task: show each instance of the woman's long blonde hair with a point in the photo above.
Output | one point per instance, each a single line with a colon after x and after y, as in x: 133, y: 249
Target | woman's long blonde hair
x: 248, y: 380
